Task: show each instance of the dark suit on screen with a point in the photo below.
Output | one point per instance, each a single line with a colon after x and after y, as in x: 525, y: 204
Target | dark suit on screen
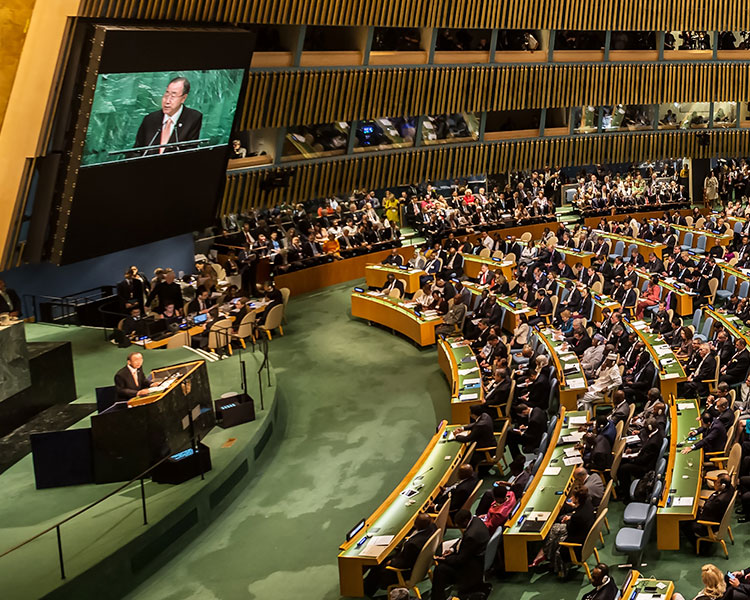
x: 149, y: 133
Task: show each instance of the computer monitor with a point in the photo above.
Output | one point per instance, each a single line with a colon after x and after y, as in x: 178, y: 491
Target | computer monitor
x: 200, y: 319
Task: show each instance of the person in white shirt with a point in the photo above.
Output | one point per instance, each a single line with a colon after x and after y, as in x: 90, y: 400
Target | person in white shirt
x: 593, y: 356
x: 608, y: 379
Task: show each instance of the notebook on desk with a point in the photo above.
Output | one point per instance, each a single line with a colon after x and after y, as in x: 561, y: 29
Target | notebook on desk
x: 532, y: 526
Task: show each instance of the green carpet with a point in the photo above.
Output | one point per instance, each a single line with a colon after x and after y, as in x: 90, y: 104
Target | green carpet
x: 361, y: 405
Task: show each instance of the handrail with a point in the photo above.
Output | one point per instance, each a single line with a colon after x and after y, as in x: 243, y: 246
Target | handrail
x: 57, y: 525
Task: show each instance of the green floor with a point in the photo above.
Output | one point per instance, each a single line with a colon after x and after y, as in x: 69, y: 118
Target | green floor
x: 361, y: 406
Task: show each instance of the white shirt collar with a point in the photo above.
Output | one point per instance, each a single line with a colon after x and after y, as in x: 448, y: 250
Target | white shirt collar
x: 174, y: 118
x: 132, y: 370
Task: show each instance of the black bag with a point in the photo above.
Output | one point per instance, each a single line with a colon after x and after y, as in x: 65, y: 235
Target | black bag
x: 644, y: 487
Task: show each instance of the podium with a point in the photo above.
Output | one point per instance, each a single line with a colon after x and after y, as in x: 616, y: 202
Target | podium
x: 128, y: 438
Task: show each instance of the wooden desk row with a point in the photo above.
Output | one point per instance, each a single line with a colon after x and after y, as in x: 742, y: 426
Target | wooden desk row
x: 454, y: 356
x: 395, y: 516
x: 542, y: 495
x: 376, y: 276
x: 644, y: 247
x: 397, y: 314
x: 682, y: 292
x: 572, y: 385
x: 731, y: 323
x: 683, y: 475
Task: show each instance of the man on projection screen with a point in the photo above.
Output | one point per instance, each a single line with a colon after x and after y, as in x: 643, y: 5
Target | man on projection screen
x: 175, y: 122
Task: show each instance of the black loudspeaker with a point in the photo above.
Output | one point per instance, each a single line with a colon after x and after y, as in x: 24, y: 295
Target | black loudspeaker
x: 183, y: 465
x: 234, y: 409
x: 62, y: 458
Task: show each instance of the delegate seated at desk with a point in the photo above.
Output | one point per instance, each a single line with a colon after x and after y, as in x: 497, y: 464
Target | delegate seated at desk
x: 130, y: 380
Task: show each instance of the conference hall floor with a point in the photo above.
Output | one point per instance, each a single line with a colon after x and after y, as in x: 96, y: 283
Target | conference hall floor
x: 361, y: 404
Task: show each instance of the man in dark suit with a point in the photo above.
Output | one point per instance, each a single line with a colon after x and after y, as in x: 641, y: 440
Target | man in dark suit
x: 454, y: 264
x: 404, y: 558
x: 459, y: 492
x: 130, y: 380
x: 175, y: 122
x: 530, y: 435
x: 9, y: 301
x: 605, y: 587
x: 622, y: 407
x: 485, y: 277
x: 629, y: 298
x: 202, y: 302
x: 705, y: 370
x: 714, y: 435
x: 637, y: 465
x: 168, y: 292
x: 130, y: 290
x: 463, y: 563
x: 497, y: 391
x: 394, y: 258
x: 637, y: 384
x: 391, y: 283
x: 734, y: 371
x: 480, y: 430
x: 713, y: 508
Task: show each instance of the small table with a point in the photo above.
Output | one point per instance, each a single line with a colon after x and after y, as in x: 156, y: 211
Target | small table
x: 454, y: 356
x: 376, y: 275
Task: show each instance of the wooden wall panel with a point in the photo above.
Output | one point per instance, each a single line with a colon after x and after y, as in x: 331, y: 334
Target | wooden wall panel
x: 656, y: 15
x: 307, y: 97
x: 318, y: 179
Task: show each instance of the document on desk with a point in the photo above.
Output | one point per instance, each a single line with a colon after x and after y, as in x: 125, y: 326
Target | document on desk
x: 466, y: 397
x: 576, y: 384
x: 573, y: 460
x: 460, y: 344
x: 663, y: 349
x: 376, y: 545
x: 580, y: 420
x: 572, y: 452
x: 573, y: 437
x: 683, y: 501
x: 670, y: 376
x: 552, y: 471
x: 539, y: 516
x: 464, y: 372
x: 685, y: 405
x: 473, y: 381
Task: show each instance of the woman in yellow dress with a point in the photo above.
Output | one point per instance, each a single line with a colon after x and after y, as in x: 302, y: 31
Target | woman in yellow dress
x: 391, y: 208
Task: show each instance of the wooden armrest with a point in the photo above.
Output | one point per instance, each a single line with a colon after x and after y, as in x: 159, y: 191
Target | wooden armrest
x: 570, y: 544
x: 715, y: 455
x: 709, y: 523
x: 395, y: 569
x: 485, y: 449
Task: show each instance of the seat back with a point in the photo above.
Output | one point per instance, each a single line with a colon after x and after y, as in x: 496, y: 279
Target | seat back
x: 554, y: 397
x: 526, y: 237
x: 597, y: 287
x: 424, y: 560
x: 552, y: 425
x: 178, y: 340
x: 713, y: 285
x: 725, y: 520
x: 619, y: 248
x: 656, y: 492
x: 730, y: 284
x: 664, y: 446
x: 511, y: 393
x: 733, y: 464
x: 105, y: 397
x: 219, y: 335
x: 490, y: 554
x: 689, y: 220
x: 537, y: 464
x: 543, y: 443
x: 688, y: 241
x: 697, y: 316
x: 593, y: 536
x: 616, y: 463
x: 554, y: 300
x: 395, y: 293
x: 497, y: 254
x: 706, y: 328
x: 701, y: 243
x: 473, y: 496
x: 648, y: 526
x: 273, y: 320
x: 661, y: 467
x: 631, y: 412
x: 246, y: 325
x: 485, y: 252
x: 744, y: 288
x: 604, y: 503
x: 441, y: 521
x: 501, y: 439
x: 632, y: 247
x: 285, y: 294
x: 619, y: 429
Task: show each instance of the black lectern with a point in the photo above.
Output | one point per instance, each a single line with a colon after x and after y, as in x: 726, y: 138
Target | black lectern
x: 128, y: 438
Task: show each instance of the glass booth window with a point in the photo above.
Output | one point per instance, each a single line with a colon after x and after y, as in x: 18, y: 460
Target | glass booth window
x: 459, y: 127
x: 734, y: 40
x: 687, y: 40
x: 627, y: 117
x: 633, y: 40
x: 316, y: 141
x: 386, y: 132
x: 398, y: 39
x: 725, y: 114
x: 585, y: 119
x: 689, y: 115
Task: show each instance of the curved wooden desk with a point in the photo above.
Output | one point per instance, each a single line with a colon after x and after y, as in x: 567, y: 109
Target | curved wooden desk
x: 375, y: 276
x: 395, y: 516
x: 681, y: 291
x: 541, y: 495
x: 395, y: 314
x: 473, y: 265
x: 644, y: 247
x: 455, y: 355
x: 573, y: 385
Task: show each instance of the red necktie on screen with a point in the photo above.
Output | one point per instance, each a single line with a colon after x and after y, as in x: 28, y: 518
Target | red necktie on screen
x: 166, y: 132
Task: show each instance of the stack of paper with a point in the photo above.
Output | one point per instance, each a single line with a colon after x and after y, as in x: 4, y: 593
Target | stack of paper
x: 683, y: 501
x: 573, y: 460
x: 539, y: 516
x: 376, y: 545
x: 670, y: 375
x: 685, y: 405
x: 571, y: 452
x: 459, y: 344
x: 464, y: 372
x: 552, y: 471
x: 465, y: 397
x: 577, y: 384
x: 573, y: 437
x: 472, y: 381
x: 580, y: 420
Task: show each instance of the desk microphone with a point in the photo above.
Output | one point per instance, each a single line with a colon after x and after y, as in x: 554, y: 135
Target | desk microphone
x: 152, y: 141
